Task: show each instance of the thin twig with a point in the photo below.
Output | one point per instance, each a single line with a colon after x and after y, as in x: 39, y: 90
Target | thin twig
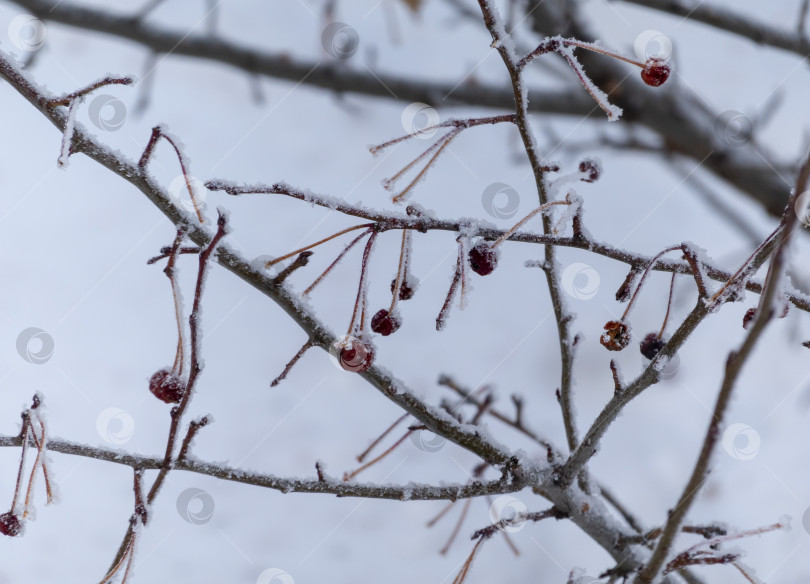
x: 70, y: 97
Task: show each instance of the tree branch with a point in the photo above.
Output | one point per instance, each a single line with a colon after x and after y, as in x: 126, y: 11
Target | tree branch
x: 678, y: 114
x: 734, y: 366
x: 733, y: 22
x: 282, y: 66
x: 409, y: 492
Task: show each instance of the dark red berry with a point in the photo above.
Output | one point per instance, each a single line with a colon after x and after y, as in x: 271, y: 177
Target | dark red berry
x: 483, y: 259
x: 10, y: 524
x: 651, y: 345
x: 591, y: 169
x: 405, y: 290
x: 616, y: 336
x: 384, y: 323
x: 356, y: 355
x: 655, y: 72
x: 167, y: 387
x: 749, y: 316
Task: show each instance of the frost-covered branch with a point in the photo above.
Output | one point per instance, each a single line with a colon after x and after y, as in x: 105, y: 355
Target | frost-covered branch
x: 681, y: 124
x: 732, y: 21
x: 502, y: 42
x: 734, y: 365
x: 281, y: 66
x: 589, y: 512
x: 333, y: 486
x: 590, y: 444
x: 386, y: 221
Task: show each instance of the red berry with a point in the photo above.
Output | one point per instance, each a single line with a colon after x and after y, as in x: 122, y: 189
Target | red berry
x: 651, y: 345
x: 483, y: 259
x: 356, y: 355
x: 616, y: 336
x: 167, y: 387
x: 384, y: 323
x: 655, y: 72
x: 10, y: 524
x: 591, y: 168
x: 405, y: 290
x: 749, y: 316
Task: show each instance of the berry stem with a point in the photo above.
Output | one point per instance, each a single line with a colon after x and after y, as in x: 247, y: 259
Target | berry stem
x: 317, y: 243
x: 669, y: 306
x: 362, y: 289
x: 458, y: 124
x: 401, y: 269
x: 40, y: 443
x: 117, y: 566
x: 586, y: 83
x: 517, y: 225
x: 465, y: 568
x: 441, y: 514
x: 349, y: 476
x: 389, y: 182
x: 457, y: 527
x: 643, y: 277
x: 441, y: 320
x: 462, y: 267
x: 745, y: 266
x: 24, y: 434
x: 169, y: 270
x: 379, y: 438
x: 445, y: 141
x: 157, y: 134
x: 553, y: 45
x: 334, y: 263
x: 603, y: 51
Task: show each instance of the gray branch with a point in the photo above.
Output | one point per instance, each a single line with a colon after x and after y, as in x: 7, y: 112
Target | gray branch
x: 314, y: 73
x: 674, y: 112
x: 409, y: 492
x: 730, y: 21
x: 588, y: 512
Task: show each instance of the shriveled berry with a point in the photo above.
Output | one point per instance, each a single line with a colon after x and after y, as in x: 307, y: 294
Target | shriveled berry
x: 167, y: 387
x: 749, y: 316
x: 616, y: 336
x: 384, y: 323
x: 591, y: 168
x: 356, y: 355
x: 405, y: 290
x: 651, y: 345
x: 483, y: 259
x: 655, y: 72
x: 10, y: 524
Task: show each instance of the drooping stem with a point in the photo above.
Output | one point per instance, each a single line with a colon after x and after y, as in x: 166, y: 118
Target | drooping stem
x: 362, y: 290
x: 401, y: 269
x: 316, y: 244
x: 323, y: 275
x: 169, y: 270
x: 361, y: 457
x: 643, y: 276
x: 516, y: 226
x: 669, y: 306
x: 350, y: 475
x: 157, y: 133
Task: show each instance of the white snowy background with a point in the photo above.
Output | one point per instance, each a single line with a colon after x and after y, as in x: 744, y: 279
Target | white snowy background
x: 74, y: 248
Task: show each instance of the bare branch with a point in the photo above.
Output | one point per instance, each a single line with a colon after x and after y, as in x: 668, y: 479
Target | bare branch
x: 411, y: 491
